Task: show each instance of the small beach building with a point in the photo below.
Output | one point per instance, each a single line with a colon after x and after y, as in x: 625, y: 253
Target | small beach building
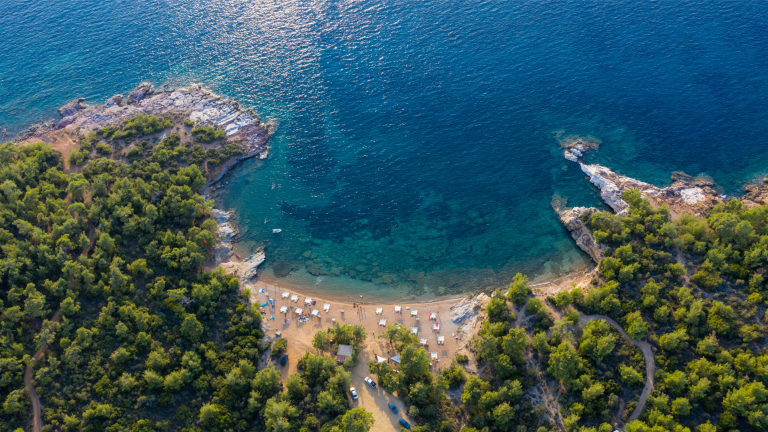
x: 343, y: 352
x: 327, y: 307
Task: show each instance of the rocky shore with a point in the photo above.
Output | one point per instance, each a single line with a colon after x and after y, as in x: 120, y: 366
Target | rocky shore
x: 686, y: 194
x: 242, y: 127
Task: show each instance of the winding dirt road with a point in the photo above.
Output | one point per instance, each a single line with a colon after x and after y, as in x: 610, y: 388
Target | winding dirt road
x: 37, y: 422
x: 645, y: 347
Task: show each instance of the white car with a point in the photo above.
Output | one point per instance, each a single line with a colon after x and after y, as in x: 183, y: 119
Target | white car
x: 354, y: 393
x: 370, y: 382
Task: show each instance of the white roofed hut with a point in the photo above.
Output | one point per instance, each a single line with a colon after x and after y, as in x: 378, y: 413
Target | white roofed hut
x: 343, y: 352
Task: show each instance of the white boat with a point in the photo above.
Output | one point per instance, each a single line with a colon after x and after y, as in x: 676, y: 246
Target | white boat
x: 277, y: 230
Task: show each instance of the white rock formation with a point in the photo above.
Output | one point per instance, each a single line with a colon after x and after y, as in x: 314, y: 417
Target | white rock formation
x: 466, y: 308
x: 571, y: 218
x: 247, y: 268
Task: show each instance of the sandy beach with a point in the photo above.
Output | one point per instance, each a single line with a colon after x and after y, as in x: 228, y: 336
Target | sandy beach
x: 299, y: 336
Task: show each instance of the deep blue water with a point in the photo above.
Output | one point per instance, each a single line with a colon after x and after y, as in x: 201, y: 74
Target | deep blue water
x: 417, y: 143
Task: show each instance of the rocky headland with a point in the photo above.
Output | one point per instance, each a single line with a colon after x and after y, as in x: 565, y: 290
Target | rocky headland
x: 686, y: 194
x: 184, y: 107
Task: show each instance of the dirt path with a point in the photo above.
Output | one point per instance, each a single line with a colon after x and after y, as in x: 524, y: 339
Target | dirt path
x: 37, y: 422
x: 650, y: 364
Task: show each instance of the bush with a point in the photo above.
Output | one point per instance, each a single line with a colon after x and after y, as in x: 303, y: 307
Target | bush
x: 139, y: 126
x: 189, y: 122
x: 103, y: 149
x: 279, y: 347
x: 462, y: 358
x: 207, y: 134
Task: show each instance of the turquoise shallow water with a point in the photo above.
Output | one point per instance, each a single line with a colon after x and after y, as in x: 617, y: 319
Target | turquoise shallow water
x: 417, y: 149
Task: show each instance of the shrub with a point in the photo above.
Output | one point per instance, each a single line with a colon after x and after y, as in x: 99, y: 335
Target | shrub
x: 207, y: 134
x: 279, y: 346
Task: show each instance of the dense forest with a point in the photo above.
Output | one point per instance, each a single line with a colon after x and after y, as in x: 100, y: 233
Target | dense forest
x: 104, y: 268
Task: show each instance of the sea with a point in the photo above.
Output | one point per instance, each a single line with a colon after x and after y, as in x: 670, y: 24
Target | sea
x: 417, y: 144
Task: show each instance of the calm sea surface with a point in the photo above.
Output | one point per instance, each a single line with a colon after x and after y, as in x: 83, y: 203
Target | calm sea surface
x: 417, y: 149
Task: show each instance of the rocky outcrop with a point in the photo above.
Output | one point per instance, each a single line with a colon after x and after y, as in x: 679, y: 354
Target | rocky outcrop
x: 223, y: 251
x: 687, y: 194
x: 572, y: 220
x: 139, y: 93
x: 195, y: 102
x: 469, y: 308
x: 247, y: 268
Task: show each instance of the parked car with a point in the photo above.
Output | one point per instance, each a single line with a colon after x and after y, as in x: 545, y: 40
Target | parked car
x: 370, y: 382
x: 393, y: 407
x: 283, y: 359
x: 405, y: 424
x: 354, y: 393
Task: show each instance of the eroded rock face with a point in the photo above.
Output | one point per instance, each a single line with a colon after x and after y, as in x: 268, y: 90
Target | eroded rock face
x: 468, y: 308
x: 571, y: 219
x: 223, y: 251
x: 247, y: 268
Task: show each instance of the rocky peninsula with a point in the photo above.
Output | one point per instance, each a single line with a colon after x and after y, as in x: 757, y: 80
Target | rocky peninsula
x: 686, y: 194
x: 243, y: 135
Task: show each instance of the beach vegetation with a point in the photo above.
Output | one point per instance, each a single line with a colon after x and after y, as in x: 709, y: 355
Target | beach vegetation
x: 207, y: 134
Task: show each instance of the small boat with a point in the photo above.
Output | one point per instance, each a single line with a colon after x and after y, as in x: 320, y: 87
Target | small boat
x: 238, y: 256
x: 277, y: 230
